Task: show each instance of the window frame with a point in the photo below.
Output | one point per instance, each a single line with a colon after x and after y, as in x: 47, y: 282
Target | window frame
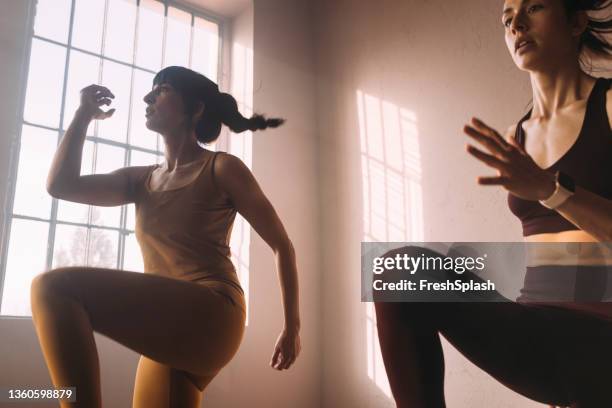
x: 15, y: 142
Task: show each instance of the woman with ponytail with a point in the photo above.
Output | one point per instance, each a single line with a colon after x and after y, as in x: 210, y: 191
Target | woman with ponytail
x: 554, y: 343
x: 186, y: 314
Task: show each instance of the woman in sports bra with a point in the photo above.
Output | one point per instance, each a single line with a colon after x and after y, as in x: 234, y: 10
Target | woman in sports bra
x: 554, y: 344
x: 186, y: 314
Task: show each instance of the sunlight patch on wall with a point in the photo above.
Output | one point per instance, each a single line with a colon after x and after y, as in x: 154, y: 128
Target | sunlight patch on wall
x: 391, y: 193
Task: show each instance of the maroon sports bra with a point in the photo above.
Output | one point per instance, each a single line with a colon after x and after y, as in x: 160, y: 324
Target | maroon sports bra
x: 588, y: 162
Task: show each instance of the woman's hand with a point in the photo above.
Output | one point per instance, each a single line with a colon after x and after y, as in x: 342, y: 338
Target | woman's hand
x: 286, y: 350
x: 517, y: 172
x: 92, y: 98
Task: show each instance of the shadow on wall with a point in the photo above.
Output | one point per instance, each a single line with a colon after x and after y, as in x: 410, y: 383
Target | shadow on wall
x: 392, y: 198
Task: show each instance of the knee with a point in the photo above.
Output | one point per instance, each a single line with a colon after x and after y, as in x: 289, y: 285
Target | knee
x: 51, y: 282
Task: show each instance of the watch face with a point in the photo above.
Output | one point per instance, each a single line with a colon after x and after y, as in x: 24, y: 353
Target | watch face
x: 566, y: 181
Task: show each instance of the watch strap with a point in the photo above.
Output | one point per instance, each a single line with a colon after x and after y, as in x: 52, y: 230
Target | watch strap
x: 564, y: 189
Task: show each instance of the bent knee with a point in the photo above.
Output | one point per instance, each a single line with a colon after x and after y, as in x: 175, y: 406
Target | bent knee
x: 52, y: 281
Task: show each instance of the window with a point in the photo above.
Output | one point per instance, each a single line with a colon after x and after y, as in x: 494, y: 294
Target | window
x: 120, y: 44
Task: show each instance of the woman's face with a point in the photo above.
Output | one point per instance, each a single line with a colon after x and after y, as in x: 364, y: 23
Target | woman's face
x: 539, y: 34
x: 165, y: 111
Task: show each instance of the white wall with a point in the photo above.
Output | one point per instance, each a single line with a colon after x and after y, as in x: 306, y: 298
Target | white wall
x: 423, y: 68
x: 284, y: 162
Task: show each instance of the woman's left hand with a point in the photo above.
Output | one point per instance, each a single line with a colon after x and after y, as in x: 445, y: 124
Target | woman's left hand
x: 286, y: 350
x: 517, y: 172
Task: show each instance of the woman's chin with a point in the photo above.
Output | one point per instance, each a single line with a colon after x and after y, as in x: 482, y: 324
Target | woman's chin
x: 529, y: 64
x: 150, y: 125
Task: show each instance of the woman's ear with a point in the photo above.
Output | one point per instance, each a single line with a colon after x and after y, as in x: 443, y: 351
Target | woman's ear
x: 198, y: 112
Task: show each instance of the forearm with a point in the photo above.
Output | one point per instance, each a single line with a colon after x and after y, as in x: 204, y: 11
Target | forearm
x: 287, y: 273
x: 590, y: 212
x: 66, y: 165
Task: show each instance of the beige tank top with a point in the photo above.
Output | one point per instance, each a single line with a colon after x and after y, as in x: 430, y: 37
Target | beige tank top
x: 184, y: 232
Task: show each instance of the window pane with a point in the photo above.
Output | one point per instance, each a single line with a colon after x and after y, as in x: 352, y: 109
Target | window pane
x: 117, y: 78
x: 53, y: 19
x: 178, y: 35
x: 74, y: 212
x: 27, y: 257
x: 139, y: 158
x: 119, y: 42
x: 37, y: 149
x: 150, y: 34
x: 132, y: 260
x: 106, y: 216
x: 69, y: 247
x: 88, y: 22
x: 204, y: 54
x: 45, y: 79
x: 109, y: 158
x: 82, y: 72
x: 103, y: 248
x: 139, y: 134
x: 242, y: 78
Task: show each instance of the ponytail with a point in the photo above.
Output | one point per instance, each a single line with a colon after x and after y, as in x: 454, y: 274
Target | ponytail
x: 219, y: 108
x: 593, y: 42
x: 227, y: 109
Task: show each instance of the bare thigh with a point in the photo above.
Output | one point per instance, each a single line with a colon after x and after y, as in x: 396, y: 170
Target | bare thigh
x: 160, y: 386
x: 183, y: 325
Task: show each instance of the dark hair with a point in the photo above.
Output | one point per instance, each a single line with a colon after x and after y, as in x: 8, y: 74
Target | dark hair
x: 593, y: 39
x: 219, y: 107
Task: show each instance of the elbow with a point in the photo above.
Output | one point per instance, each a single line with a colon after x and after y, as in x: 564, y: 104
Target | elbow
x: 285, y: 247
x: 53, y: 188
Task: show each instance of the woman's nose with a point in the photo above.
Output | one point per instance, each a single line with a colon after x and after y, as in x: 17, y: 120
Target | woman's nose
x: 148, y: 98
x: 518, y: 23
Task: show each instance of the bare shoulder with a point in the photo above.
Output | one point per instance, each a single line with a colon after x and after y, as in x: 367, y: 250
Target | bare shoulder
x: 130, y: 176
x: 232, y: 175
x: 235, y: 180
x: 133, y: 172
x: 228, y: 166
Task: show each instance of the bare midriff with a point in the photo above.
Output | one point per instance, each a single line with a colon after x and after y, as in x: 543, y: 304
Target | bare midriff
x: 594, y: 253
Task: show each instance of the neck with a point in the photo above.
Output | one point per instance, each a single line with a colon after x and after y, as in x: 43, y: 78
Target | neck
x: 555, y: 89
x: 181, y: 148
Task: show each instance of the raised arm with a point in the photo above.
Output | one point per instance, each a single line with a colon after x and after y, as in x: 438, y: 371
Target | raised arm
x: 64, y: 180
x: 237, y: 181
x: 520, y: 175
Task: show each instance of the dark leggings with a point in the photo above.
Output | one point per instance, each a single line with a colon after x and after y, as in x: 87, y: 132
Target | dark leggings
x: 548, y: 354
